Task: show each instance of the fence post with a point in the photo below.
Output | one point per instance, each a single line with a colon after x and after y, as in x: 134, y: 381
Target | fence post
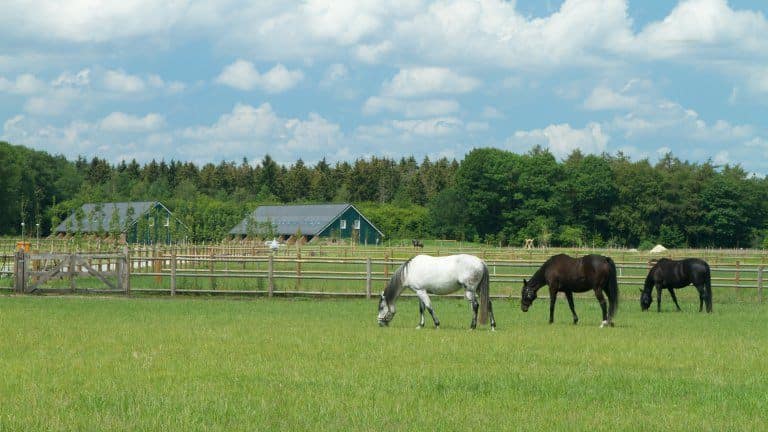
x: 368, y: 277
x: 19, y: 273
x: 173, y: 272
x: 127, y: 271
x: 270, y: 271
x: 760, y: 283
x: 72, y: 271
x: 298, y: 269
x: 212, y: 263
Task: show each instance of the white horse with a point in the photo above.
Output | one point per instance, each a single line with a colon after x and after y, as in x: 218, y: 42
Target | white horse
x: 425, y: 275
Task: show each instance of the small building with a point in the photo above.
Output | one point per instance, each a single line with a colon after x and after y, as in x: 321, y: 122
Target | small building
x: 145, y: 222
x: 309, y: 223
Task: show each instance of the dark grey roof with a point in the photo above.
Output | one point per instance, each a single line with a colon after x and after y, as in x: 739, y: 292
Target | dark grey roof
x: 310, y: 219
x: 139, y: 208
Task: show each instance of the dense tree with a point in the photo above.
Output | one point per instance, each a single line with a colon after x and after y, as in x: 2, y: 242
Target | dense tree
x: 493, y: 195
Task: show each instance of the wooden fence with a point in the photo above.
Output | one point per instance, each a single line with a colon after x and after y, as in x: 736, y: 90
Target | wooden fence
x: 343, y: 272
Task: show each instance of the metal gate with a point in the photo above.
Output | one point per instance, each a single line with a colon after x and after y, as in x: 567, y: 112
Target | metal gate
x: 38, y: 272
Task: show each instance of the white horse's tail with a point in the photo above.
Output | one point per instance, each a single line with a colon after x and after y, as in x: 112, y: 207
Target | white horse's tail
x: 483, y: 289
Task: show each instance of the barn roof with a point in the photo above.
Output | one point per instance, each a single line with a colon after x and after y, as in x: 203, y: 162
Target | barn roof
x: 311, y: 219
x: 107, y: 209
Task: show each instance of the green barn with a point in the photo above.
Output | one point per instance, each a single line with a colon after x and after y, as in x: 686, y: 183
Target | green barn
x: 145, y: 222
x: 313, y: 222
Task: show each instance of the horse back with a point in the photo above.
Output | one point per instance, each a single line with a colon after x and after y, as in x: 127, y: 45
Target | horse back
x: 577, y: 274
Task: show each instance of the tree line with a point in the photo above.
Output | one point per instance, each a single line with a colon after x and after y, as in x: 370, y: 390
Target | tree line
x: 492, y: 195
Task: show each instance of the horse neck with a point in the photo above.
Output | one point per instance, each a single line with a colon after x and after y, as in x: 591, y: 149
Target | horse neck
x: 538, y: 279
x: 395, y: 285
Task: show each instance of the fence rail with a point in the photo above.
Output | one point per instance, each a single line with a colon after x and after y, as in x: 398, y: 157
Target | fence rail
x: 257, y: 271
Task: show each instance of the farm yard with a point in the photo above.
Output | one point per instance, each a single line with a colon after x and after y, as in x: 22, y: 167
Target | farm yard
x: 313, y: 357
x: 111, y: 363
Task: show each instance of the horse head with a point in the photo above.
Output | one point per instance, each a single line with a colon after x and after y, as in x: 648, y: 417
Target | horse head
x: 645, y: 299
x: 386, y: 311
x: 527, y: 296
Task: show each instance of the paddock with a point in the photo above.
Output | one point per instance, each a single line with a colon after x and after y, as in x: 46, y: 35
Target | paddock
x: 153, y: 363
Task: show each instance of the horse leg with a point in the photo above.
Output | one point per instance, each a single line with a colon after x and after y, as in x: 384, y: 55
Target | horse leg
x: 552, y: 299
x: 475, y: 307
x: 428, y: 305
x: 674, y: 298
x: 569, y: 296
x: 703, y: 297
x: 421, y: 314
x: 490, y: 315
x: 602, y: 301
x: 658, y: 298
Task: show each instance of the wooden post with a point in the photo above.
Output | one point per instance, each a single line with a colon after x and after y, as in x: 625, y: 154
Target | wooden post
x: 270, y: 271
x: 368, y: 277
x: 298, y: 269
x: 212, y: 263
x: 19, y: 274
x: 386, y: 265
x: 127, y: 272
x: 760, y: 283
x: 173, y: 273
x: 72, y: 272
x: 157, y: 265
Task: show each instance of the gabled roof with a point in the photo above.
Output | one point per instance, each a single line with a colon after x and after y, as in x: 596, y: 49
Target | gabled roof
x: 107, y: 209
x: 311, y: 219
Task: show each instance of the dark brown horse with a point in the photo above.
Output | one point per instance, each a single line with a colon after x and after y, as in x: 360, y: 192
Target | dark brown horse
x: 569, y: 275
x: 671, y: 274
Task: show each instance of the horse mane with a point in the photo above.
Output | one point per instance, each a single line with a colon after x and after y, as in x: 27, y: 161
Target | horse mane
x: 396, y: 282
x: 538, y: 279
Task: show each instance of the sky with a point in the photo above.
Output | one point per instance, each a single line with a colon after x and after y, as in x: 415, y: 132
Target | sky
x: 203, y: 81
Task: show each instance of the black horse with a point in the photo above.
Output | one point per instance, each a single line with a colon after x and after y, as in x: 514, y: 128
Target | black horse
x: 569, y: 275
x: 671, y: 274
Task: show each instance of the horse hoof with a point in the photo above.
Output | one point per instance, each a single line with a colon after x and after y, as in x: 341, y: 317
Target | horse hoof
x: 603, y: 324
x: 493, y: 329
x: 418, y: 327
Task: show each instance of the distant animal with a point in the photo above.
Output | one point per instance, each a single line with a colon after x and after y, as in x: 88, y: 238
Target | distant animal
x: 417, y: 243
x: 569, y: 275
x: 671, y: 274
x: 426, y: 275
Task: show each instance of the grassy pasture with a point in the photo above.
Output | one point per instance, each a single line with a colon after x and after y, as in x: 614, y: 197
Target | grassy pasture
x: 93, y: 363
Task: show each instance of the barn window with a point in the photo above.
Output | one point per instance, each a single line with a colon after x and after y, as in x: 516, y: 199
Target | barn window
x: 356, y: 224
x: 343, y: 224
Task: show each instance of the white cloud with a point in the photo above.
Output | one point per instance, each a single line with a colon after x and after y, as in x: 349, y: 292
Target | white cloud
x: 704, y: 27
x: 67, y: 79
x: 248, y: 131
x: 122, y: 82
x: 430, y: 127
x: 242, y: 75
x: 46, y: 106
x: 420, y: 81
x: 121, y: 122
x: 562, y: 139
x: 603, y: 98
x: 411, y: 108
x: 25, y: 84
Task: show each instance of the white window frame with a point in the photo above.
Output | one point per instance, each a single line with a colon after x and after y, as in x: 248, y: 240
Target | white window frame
x: 343, y: 224
x: 356, y: 224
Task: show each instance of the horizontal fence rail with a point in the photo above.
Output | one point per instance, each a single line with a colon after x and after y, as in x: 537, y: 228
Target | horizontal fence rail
x: 317, y: 271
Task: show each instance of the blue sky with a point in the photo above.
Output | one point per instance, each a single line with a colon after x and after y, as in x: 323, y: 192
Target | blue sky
x: 210, y: 81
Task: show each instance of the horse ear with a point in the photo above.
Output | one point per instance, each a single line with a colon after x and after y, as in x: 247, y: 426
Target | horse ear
x: 640, y: 289
x: 525, y: 282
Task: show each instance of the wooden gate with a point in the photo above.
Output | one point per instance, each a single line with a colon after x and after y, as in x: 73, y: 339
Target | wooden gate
x: 37, y: 272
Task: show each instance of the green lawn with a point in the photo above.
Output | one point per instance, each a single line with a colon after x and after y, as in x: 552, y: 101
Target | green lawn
x: 91, y: 363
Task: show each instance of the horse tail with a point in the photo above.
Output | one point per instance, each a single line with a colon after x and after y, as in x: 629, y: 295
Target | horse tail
x: 483, y: 289
x: 708, y: 285
x: 612, y: 289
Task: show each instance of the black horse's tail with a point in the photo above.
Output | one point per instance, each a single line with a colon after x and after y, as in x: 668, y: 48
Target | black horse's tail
x: 612, y: 290
x: 708, y: 283
x: 484, y: 290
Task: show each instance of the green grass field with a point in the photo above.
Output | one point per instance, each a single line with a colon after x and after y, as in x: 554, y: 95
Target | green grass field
x: 188, y: 364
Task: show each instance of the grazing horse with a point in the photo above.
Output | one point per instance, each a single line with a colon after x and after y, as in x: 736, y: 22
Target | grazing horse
x: 425, y: 275
x: 569, y: 275
x: 671, y: 274
x: 417, y: 243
